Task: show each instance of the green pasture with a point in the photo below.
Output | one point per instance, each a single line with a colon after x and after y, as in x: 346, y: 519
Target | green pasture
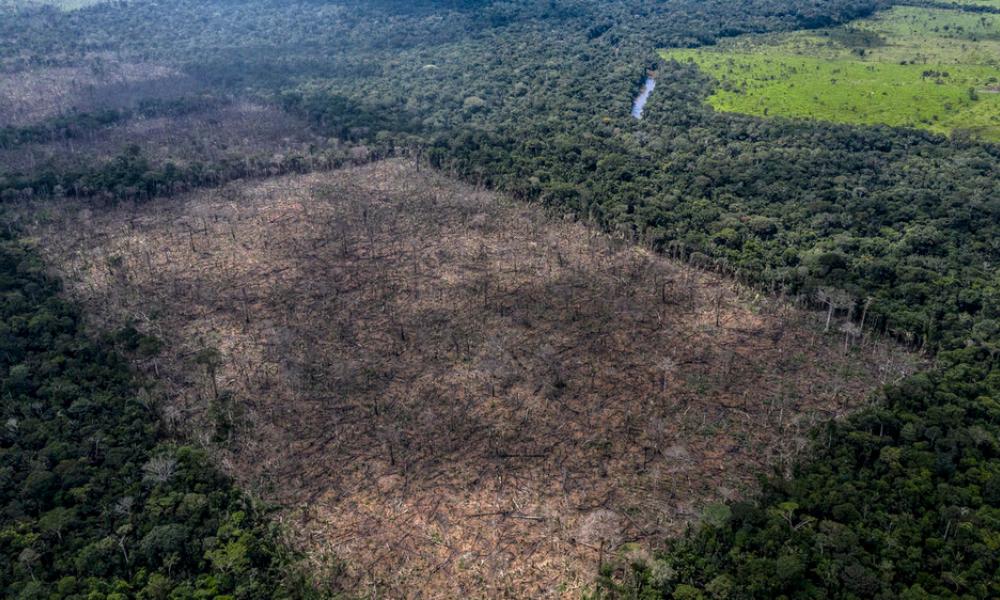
x: 993, y: 3
x: 909, y: 67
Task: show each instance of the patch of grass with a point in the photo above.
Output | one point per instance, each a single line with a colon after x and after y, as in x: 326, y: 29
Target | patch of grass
x: 911, y: 67
x: 993, y: 3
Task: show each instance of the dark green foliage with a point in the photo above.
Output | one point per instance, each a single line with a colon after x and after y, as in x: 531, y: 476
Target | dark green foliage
x: 78, y: 125
x: 533, y: 97
x: 897, y: 502
x: 130, y: 176
x: 63, y: 127
x: 905, y: 218
x: 91, y: 503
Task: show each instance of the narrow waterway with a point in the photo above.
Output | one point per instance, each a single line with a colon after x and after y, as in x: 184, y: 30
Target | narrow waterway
x: 640, y: 102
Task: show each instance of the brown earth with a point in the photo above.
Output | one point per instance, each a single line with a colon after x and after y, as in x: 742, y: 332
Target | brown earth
x: 457, y: 395
x: 97, y: 81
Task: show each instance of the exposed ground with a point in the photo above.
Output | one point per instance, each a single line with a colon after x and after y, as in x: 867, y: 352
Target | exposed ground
x: 914, y: 67
x: 457, y: 395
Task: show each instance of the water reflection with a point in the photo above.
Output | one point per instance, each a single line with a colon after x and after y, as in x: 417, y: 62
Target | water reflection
x: 640, y: 102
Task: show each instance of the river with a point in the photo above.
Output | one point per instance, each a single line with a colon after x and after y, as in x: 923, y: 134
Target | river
x: 640, y: 102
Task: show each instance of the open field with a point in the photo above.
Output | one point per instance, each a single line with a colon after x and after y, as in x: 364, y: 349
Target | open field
x: 989, y: 3
x: 933, y: 69
x: 457, y: 395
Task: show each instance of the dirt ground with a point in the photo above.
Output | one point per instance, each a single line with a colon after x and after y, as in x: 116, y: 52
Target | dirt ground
x: 456, y: 395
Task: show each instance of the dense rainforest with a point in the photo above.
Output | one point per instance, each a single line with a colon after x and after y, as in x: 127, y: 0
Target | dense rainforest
x: 896, y: 228
x: 540, y: 94
x: 96, y: 502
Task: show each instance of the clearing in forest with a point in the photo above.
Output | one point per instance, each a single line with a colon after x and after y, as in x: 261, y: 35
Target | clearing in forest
x: 933, y: 69
x: 218, y: 133
x: 455, y: 394
x: 30, y: 96
x: 976, y: 3
x: 60, y: 4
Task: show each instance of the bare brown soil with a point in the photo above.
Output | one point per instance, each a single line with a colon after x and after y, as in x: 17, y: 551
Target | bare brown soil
x: 457, y: 395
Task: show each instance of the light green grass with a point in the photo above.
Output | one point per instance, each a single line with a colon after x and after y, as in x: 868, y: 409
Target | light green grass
x: 993, y: 3
x: 909, y: 67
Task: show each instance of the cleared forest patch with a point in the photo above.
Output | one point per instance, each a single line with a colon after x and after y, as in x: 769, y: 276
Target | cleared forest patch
x: 61, y: 4
x: 455, y: 394
x: 232, y: 131
x: 31, y: 95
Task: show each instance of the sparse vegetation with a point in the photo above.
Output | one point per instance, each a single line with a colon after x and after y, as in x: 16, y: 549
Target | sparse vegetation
x: 451, y: 393
x: 432, y: 368
x: 15, y: 5
x: 95, y: 503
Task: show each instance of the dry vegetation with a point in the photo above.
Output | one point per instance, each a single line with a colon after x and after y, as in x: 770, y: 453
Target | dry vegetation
x: 63, y: 4
x: 239, y: 130
x: 456, y: 394
x: 29, y: 96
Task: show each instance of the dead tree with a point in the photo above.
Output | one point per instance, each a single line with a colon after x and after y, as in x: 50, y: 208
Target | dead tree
x: 834, y: 299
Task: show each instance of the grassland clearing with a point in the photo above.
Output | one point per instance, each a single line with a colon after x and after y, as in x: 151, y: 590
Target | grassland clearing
x: 975, y: 3
x: 932, y: 69
x: 458, y: 395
